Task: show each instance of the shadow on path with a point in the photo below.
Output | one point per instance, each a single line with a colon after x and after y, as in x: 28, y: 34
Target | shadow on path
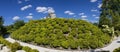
x: 6, y: 36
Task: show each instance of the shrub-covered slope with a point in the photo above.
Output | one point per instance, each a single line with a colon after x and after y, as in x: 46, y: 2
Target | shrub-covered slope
x: 59, y: 32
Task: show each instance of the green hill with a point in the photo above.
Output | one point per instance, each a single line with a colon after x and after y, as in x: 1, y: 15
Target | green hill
x: 60, y: 32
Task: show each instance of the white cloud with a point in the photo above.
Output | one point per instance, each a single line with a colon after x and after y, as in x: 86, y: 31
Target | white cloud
x: 45, y: 9
x: 16, y: 18
x: 51, y: 10
x: 95, y: 21
x: 41, y: 9
x: 97, y: 17
x: 69, y: 12
x: 27, y: 0
x: 29, y: 17
x: 94, y: 10
x: 30, y: 14
x: 93, y: 0
x: 84, y: 19
x: 93, y: 15
x: 99, y: 5
x: 26, y: 7
x: 19, y: 2
x: 44, y: 17
x: 74, y: 16
x: 81, y: 14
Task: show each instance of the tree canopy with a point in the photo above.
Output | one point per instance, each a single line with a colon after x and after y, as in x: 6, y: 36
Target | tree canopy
x: 110, y: 14
x: 16, y: 25
x: 2, y: 28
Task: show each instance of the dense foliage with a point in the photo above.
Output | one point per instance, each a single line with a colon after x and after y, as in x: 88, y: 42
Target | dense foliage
x: 117, y: 50
x: 110, y: 14
x: 60, y: 32
x: 16, y: 25
x: 27, y: 49
x: 2, y: 28
x: 14, y: 46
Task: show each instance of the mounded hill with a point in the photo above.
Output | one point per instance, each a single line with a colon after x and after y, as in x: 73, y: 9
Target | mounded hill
x: 60, y: 32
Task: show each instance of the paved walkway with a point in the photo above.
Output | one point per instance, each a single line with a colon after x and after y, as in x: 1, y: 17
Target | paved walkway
x: 115, y: 44
x: 40, y: 49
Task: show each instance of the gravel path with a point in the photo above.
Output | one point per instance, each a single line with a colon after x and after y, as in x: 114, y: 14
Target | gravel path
x: 115, y: 44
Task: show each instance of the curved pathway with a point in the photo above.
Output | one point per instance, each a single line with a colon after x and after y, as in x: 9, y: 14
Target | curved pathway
x: 40, y: 49
x: 115, y: 44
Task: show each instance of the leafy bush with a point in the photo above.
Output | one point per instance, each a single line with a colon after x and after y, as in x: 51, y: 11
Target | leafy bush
x: 60, y: 32
x: 27, y: 49
x: 117, y: 50
x: 3, y: 41
x: 15, y: 46
x: 117, y: 32
x: 65, y: 44
x: 34, y: 50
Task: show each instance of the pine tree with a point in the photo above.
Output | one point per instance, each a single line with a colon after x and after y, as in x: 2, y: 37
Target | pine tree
x: 104, y: 20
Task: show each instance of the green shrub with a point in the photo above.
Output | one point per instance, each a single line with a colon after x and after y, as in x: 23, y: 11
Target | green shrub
x: 3, y: 41
x: 27, y: 49
x: 39, y: 40
x: 65, y: 44
x: 117, y: 50
x: 34, y: 50
x: 15, y: 46
x: 60, y: 32
x: 117, y: 32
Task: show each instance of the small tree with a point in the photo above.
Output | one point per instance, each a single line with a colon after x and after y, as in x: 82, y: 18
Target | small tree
x: 18, y: 24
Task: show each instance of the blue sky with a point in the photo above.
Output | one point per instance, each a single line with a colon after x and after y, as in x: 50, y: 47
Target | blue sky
x: 13, y: 10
